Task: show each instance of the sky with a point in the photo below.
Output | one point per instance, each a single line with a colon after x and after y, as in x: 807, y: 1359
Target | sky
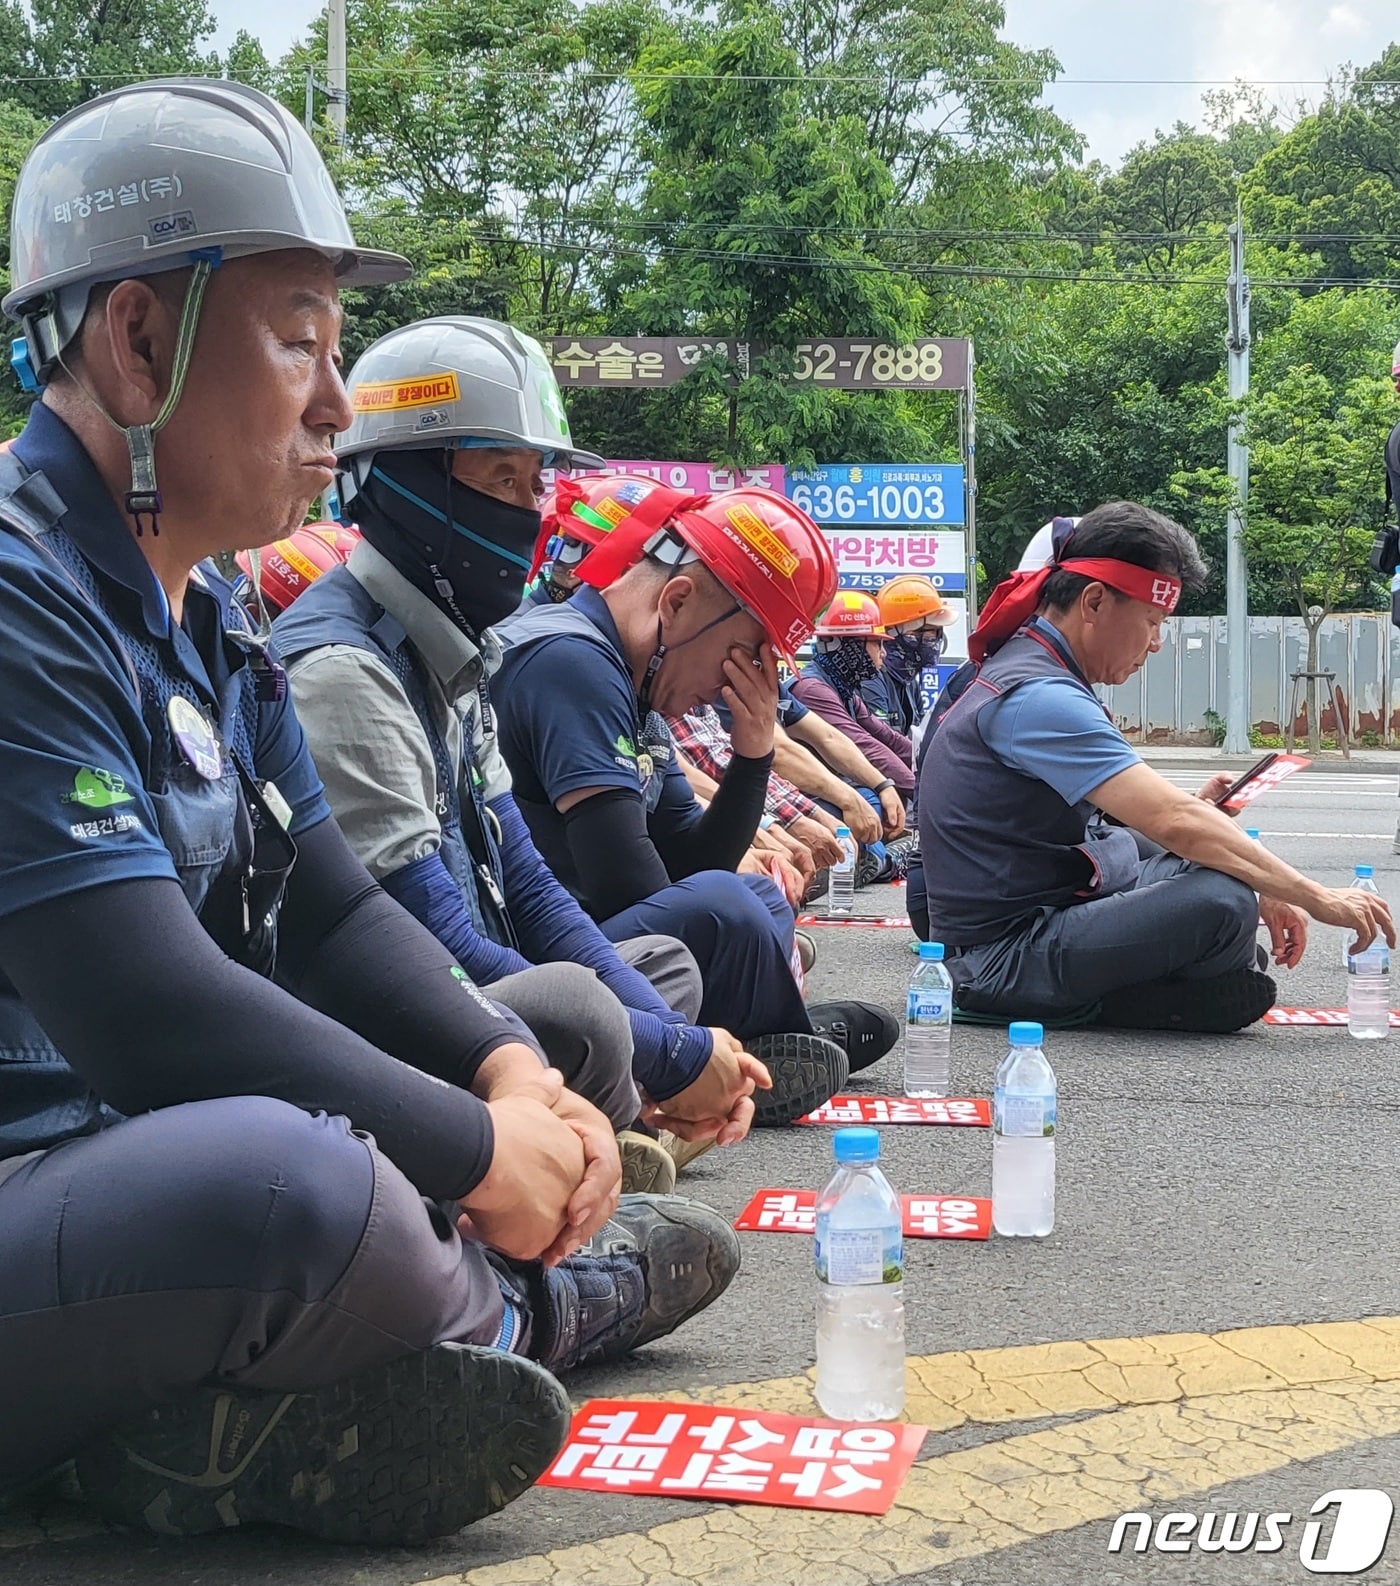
x: 1289, y: 47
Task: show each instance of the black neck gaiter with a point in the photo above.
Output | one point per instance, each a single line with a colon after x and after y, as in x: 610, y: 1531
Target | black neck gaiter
x: 466, y: 551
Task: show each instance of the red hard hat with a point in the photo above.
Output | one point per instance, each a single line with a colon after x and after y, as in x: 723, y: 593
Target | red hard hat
x: 765, y: 551
x: 850, y: 616
x: 588, y: 509
x: 290, y: 566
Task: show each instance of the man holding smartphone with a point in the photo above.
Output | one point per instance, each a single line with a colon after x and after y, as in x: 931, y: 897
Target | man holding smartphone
x: 1067, y: 879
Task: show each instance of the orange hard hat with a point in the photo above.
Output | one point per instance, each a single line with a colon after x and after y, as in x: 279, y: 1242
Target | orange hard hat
x: 765, y: 551
x: 850, y: 616
x: 588, y: 509
x: 910, y: 597
x: 288, y: 567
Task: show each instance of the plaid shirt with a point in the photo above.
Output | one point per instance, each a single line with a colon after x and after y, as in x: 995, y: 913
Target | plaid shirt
x: 701, y: 738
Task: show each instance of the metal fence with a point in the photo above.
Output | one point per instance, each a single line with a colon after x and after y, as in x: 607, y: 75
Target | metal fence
x: 1168, y: 700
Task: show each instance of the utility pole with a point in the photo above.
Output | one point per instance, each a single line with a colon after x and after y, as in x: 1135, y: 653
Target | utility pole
x: 1237, y: 465
x: 336, y: 89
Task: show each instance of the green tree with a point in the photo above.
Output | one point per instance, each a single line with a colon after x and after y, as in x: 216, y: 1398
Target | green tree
x: 1166, y: 193
x: 1316, y: 479
x: 18, y: 130
x: 72, y: 50
x: 494, y: 142
x: 754, y: 223
x: 1331, y: 188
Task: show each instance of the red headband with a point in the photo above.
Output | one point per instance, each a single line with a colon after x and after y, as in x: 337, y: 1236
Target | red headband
x: 1015, y: 600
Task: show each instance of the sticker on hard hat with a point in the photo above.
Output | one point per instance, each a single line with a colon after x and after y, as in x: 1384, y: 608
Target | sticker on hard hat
x: 750, y: 527
x: 612, y: 512
x: 293, y: 561
x: 383, y: 396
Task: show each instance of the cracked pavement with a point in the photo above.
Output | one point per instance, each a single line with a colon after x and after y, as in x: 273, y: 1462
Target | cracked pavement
x: 1214, y: 1324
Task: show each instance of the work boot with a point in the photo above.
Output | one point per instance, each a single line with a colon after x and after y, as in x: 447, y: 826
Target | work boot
x: 1215, y: 1006
x: 653, y: 1265
x: 806, y: 1070
x: 864, y: 1031
x: 648, y: 1168
x: 393, y: 1456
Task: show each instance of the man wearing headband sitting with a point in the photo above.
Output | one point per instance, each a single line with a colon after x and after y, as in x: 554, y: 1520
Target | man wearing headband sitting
x: 1066, y: 876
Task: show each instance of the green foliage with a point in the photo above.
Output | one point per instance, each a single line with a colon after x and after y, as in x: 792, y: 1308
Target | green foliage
x: 775, y: 171
x: 66, y: 51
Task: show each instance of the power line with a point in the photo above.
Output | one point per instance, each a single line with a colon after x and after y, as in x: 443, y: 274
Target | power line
x: 879, y: 267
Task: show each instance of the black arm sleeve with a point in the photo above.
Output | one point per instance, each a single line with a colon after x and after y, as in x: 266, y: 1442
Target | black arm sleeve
x: 721, y: 837
x: 612, y: 850
x: 347, y: 948
x: 167, y: 1018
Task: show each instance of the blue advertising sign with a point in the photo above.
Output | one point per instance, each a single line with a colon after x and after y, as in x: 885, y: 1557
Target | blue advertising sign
x: 908, y: 494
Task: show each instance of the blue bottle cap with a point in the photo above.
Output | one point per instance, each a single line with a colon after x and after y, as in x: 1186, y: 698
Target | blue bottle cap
x: 843, y: 831
x: 856, y: 1145
x: 1025, y: 1033
x: 1252, y: 832
x: 931, y: 952
x: 1365, y: 870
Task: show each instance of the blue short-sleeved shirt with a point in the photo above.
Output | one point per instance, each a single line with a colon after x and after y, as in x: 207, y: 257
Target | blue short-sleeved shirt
x: 568, y: 720
x: 1050, y: 729
x: 78, y: 804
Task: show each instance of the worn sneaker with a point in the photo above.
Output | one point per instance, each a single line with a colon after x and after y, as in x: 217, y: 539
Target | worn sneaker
x: 864, y: 1031
x: 870, y: 866
x: 818, y: 885
x: 653, y: 1265
x: 684, y: 1152
x: 1215, y: 1006
x: 899, y: 853
x: 806, y: 950
x: 395, y: 1455
x: 648, y: 1168
x: 806, y: 1071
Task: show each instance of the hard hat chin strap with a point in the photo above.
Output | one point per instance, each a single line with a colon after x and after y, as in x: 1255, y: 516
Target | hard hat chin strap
x: 143, y: 500
x: 662, y: 650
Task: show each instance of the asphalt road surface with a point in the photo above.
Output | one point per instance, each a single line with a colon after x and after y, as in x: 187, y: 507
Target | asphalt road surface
x: 1214, y: 1325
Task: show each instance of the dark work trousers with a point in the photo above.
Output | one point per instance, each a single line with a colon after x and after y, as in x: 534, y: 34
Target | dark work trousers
x: 739, y: 929
x: 1178, y: 922
x: 584, y: 1029
x: 238, y: 1240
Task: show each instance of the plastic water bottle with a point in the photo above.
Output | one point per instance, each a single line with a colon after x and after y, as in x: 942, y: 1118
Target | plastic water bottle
x: 1363, y: 880
x: 1368, y: 978
x: 928, y: 1025
x: 1023, y: 1138
x: 841, y: 880
x: 860, y: 1286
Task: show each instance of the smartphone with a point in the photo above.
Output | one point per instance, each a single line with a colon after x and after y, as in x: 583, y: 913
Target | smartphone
x: 1246, y: 779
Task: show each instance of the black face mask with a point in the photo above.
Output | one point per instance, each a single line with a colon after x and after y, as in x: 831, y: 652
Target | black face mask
x: 466, y: 551
x: 917, y: 651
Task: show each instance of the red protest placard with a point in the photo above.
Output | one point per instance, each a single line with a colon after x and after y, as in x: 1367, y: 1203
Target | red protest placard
x: 1334, y: 1016
x: 970, y: 1111
x: 788, y: 1211
x: 890, y: 922
x: 736, y: 1456
x: 946, y: 1217
x: 1279, y: 771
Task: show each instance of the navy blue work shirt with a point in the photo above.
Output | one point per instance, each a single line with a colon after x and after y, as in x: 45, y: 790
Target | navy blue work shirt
x: 93, y: 781
x: 568, y: 719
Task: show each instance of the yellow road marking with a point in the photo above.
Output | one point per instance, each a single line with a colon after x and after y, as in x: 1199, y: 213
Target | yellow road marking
x: 1161, y: 1418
